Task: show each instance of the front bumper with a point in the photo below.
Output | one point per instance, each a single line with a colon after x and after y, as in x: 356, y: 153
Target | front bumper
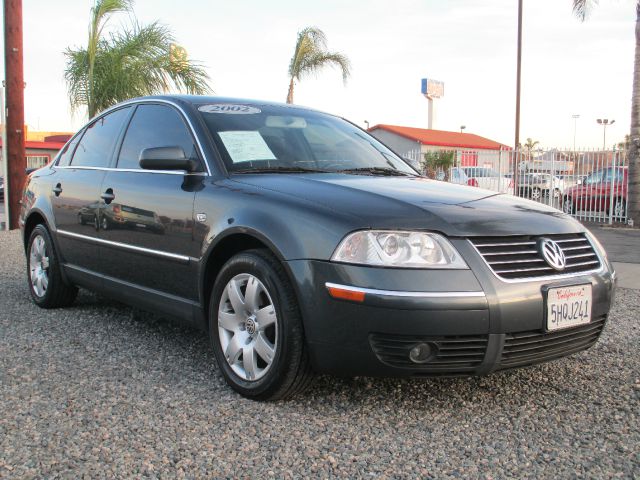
x: 474, y: 322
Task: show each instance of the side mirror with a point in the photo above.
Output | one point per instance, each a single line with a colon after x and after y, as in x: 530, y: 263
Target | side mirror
x: 166, y: 158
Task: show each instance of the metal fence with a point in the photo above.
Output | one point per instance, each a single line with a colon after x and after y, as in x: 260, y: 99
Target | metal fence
x: 591, y: 185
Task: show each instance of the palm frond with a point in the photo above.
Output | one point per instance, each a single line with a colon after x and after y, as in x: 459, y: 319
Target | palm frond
x: 76, y: 76
x: 309, y: 41
x: 318, y: 60
x: 311, y: 55
x: 141, y: 60
x: 582, y: 8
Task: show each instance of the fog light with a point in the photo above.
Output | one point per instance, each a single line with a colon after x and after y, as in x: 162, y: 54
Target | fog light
x: 420, y: 353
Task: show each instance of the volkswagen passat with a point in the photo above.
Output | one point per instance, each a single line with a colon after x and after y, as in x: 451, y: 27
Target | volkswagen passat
x: 301, y: 244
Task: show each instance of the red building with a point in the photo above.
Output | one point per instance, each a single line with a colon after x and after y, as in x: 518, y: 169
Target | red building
x: 39, y: 153
x: 413, y: 142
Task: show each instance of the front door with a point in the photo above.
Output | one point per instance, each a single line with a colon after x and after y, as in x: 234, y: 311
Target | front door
x: 147, y: 217
x: 75, y: 195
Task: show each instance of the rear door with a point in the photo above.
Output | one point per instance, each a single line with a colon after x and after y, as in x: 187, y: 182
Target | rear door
x: 148, y: 224
x: 75, y: 196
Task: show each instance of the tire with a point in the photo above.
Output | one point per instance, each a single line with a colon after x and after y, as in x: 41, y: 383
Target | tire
x: 536, y: 194
x: 289, y: 371
x: 619, y: 208
x: 81, y: 219
x: 44, y: 276
x: 568, y: 206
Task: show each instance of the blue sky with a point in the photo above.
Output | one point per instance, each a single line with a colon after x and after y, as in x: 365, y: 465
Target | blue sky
x: 568, y: 67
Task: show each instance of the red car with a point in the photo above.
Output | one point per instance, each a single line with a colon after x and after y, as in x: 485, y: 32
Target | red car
x: 598, y: 191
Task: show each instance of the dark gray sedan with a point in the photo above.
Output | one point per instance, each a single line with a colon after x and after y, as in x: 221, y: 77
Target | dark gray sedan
x: 301, y: 244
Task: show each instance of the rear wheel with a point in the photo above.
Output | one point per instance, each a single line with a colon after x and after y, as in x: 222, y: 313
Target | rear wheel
x: 46, y: 285
x: 255, y: 328
x: 619, y: 208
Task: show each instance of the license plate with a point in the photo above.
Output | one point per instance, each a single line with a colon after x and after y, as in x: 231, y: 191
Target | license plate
x: 568, y: 306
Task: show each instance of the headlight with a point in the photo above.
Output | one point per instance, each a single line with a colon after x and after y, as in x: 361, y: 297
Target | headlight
x: 398, y: 249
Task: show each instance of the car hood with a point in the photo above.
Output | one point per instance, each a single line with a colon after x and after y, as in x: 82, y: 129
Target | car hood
x: 417, y: 203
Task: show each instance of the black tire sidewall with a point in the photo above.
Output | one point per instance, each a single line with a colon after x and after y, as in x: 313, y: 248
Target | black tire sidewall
x: 40, y: 230
x: 288, y: 331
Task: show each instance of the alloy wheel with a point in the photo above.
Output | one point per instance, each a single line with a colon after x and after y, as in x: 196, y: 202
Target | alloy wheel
x: 247, y: 327
x: 567, y: 206
x: 618, y: 208
x: 536, y: 194
x: 39, y: 266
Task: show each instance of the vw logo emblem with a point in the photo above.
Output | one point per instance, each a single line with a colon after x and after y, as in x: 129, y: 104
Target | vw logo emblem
x: 552, y: 254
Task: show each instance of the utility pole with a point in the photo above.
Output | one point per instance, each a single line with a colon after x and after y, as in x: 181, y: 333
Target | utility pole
x: 518, y: 75
x: 14, y: 83
x: 516, y: 142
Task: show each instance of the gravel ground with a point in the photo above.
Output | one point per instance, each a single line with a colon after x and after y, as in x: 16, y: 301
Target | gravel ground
x: 101, y: 390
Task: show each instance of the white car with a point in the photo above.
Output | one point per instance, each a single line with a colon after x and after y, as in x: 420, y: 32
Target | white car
x: 485, y: 177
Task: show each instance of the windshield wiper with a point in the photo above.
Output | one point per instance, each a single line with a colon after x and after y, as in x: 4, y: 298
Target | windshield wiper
x: 279, y: 170
x: 383, y: 171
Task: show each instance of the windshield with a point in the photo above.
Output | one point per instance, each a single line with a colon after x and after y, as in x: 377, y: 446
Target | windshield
x: 254, y: 139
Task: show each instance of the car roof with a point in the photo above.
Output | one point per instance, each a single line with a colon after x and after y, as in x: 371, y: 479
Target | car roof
x: 207, y: 99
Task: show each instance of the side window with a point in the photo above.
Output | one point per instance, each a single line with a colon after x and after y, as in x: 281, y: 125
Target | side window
x: 594, y: 178
x: 616, y: 175
x: 96, y: 145
x: 64, y: 158
x: 154, y: 126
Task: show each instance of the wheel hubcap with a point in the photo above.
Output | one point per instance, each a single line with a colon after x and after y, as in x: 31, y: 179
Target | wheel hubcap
x: 39, y: 266
x: 247, y: 327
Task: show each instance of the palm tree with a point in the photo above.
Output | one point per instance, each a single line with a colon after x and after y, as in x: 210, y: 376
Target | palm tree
x: 582, y: 8
x: 311, y: 55
x: 531, y: 145
x: 142, y: 60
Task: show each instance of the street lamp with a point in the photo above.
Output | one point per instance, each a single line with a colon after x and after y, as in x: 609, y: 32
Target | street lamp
x: 575, y: 126
x: 604, y: 122
x: 367, y: 123
x: 462, y: 127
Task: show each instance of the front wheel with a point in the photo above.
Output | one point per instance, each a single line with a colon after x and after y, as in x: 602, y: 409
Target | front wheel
x: 536, y: 194
x: 46, y: 285
x: 255, y: 328
x: 568, y: 206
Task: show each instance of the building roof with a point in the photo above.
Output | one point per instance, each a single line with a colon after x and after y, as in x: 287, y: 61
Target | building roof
x: 443, y: 138
x: 35, y: 145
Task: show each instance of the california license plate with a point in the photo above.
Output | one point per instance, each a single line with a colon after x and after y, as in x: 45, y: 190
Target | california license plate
x: 568, y: 306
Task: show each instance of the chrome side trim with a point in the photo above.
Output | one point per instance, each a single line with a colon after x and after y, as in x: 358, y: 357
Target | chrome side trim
x: 152, y: 100
x: 396, y: 293
x: 545, y: 278
x: 133, y: 170
x: 124, y: 246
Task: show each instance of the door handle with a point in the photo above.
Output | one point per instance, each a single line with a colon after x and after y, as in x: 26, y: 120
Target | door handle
x: 108, y: 196
x: 57, y: 190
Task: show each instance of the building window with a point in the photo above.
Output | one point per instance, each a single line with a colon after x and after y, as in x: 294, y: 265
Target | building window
x: 37, y: 161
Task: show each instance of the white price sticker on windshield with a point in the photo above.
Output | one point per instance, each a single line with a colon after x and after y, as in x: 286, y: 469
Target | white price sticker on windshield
x: 246, y: 146
x: 229, y: 109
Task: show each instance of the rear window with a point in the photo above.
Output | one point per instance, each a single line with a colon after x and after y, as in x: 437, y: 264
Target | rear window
x: 96, y: 146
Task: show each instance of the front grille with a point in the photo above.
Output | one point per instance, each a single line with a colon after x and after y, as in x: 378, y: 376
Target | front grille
x: 452, y: 354
x: 518, y: 257
x: 528, y: 348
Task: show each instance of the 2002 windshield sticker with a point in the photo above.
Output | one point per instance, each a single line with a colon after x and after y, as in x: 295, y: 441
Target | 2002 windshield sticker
x: 229, y: 109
